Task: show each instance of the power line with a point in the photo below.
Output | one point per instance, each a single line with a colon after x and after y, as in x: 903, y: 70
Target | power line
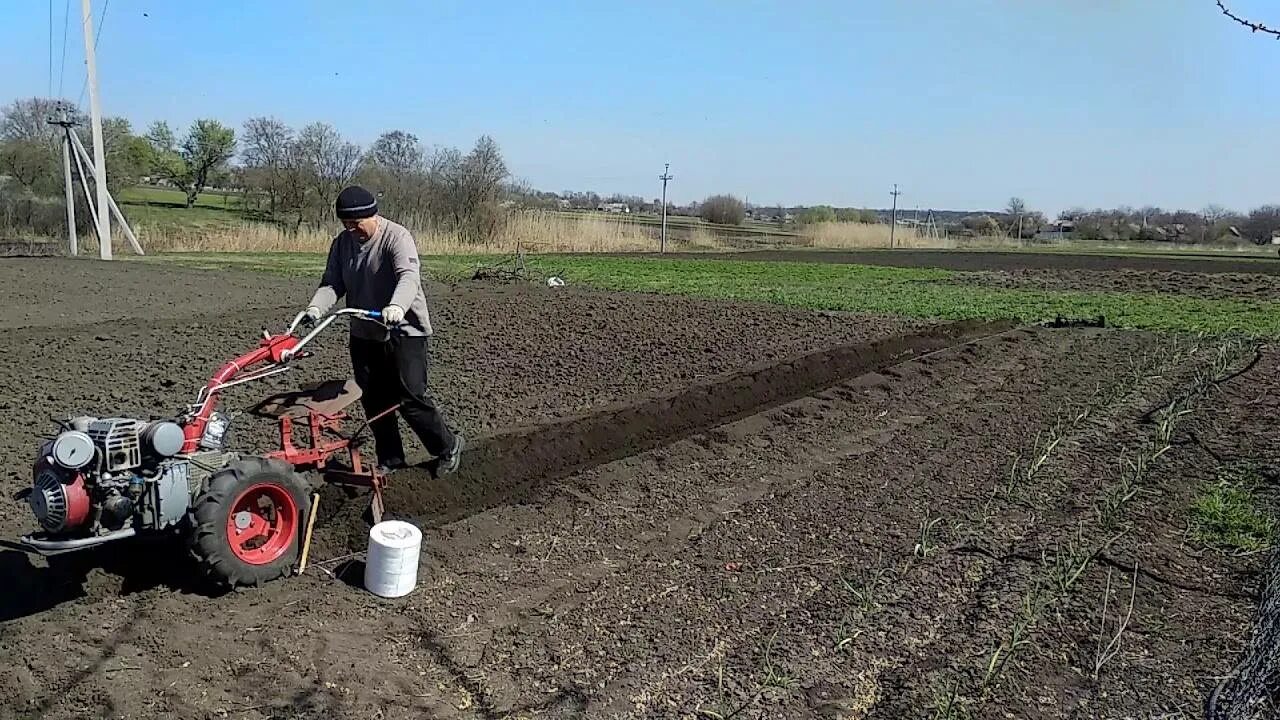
x: 62, y: 72
x: 97, y: 35
x: 1254, y: 26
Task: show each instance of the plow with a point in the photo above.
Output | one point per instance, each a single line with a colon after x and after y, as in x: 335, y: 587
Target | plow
x: 100, y: 480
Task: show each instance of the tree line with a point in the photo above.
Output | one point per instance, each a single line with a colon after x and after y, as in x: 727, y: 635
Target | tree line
x: 288, y: 176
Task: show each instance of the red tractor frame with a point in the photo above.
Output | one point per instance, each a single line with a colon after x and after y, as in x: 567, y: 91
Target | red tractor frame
x: 244, y: 516
x: 320, y: 408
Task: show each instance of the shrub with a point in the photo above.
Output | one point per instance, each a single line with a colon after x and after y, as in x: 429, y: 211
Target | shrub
x: 815, y: 215
x: 723, y: 210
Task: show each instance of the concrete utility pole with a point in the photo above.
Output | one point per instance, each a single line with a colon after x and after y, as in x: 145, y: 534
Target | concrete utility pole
x: 63, y: 120
x: 893, y: 221
x: 74, y: 150
x: 664, y: 177
x: 111, y: 202
x: 95, y: 121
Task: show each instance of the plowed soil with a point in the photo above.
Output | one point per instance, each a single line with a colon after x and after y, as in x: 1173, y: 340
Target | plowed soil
x: 975, y: 260
x: 1215, y: 286
x: 674, y: 509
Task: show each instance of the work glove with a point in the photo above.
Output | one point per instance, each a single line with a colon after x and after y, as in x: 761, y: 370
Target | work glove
x: 393, y: 314
x: 313, y: 314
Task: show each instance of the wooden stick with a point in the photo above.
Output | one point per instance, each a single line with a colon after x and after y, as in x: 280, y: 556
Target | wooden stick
x: 311, y: 524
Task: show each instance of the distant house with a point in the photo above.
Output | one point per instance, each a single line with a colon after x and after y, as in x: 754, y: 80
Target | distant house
x: 621, y: 208
x: 564, y: 204
x: 1059, y: 230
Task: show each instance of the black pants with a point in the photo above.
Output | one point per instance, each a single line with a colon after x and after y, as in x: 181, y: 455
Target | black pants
x: 396, y: 372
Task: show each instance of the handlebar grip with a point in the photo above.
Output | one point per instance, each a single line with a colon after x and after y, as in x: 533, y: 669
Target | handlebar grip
x: 373, y: 314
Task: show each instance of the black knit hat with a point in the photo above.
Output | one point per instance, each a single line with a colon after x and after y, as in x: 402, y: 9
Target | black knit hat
x: 356, y: 203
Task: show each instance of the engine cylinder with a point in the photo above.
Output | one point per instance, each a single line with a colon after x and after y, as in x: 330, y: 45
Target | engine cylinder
x: 164, y: 438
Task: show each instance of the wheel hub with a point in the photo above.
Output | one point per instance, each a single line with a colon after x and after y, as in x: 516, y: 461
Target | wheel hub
x: 262, y: 523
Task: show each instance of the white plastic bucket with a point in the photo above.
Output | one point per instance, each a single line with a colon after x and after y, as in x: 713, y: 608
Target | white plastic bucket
x: 391, y: 565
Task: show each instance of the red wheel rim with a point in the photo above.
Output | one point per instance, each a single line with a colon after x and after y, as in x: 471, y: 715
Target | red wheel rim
x: 262, y: 523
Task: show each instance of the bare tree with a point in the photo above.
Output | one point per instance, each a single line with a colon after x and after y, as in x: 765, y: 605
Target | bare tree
x: 1214, y: 213
x: 1256, y: 27
x: 266, y: 154
x: 470, y: 187
x: 1017, y: 206
x: 328, y: 163
x: 1262, y: 224
x: 28, y: 119
x: 397, y: 152
x: 395, y: 167
x: 484, y: 169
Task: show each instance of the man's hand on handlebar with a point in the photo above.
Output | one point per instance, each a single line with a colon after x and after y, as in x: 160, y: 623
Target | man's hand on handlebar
x: 316, y: 320
x: 393, y: 315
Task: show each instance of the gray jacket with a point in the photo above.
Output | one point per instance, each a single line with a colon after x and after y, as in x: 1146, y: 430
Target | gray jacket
x: 382, y: 271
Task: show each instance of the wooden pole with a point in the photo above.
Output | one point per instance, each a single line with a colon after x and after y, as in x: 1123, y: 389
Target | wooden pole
x: 311, y: 525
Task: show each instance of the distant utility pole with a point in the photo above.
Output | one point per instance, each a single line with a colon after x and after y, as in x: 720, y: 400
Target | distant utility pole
x: 95, y: 121
x: 893, y: 222
x: 63, y: 119
x: 664, y: 177
x: 74, y: 150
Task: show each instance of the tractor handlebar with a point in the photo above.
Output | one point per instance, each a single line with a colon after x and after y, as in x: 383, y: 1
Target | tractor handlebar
x: 325, y: 321
x: 270, y: 358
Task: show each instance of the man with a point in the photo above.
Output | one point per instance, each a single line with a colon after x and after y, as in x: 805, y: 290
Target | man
x: 373, y: 263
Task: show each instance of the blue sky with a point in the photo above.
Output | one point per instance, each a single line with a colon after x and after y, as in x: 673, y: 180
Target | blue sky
x: 962, y: 102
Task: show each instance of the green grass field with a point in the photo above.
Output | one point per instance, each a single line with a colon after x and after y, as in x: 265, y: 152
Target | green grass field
x: 165, y: 208
x: 917, y: 292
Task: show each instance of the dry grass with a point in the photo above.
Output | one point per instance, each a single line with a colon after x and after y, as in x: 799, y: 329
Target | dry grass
x: 856, y: 236
x: 536, y: 231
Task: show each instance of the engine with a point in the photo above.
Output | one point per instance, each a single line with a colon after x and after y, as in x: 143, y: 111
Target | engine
x: 111, y: 473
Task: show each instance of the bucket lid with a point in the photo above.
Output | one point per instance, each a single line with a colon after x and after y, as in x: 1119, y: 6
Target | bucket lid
x: 395, y: 534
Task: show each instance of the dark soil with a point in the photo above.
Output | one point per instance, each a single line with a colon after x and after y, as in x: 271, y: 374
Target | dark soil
x: 972, y: 260
x: 1216, y: 286
x: 759, y: 554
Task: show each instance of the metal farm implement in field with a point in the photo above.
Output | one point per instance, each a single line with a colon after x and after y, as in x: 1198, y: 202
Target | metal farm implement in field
x: 105, y: 479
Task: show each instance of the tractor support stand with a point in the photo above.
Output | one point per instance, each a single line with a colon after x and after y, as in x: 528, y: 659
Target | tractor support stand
x: 358, y: 475
x: 326, y: 439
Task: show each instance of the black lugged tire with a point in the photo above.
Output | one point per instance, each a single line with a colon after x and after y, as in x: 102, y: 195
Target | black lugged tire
x: 209, y: 539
